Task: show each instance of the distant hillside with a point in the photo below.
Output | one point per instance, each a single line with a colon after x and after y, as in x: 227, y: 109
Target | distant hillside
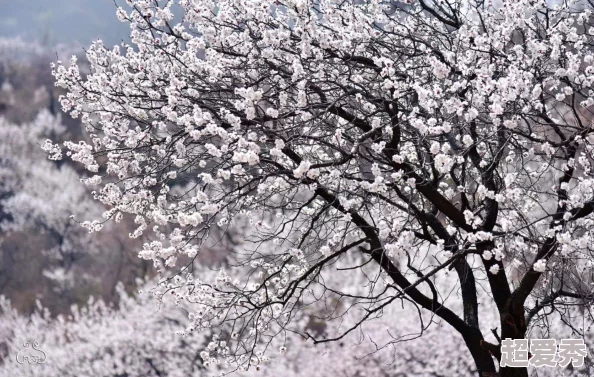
x: 63, y: 21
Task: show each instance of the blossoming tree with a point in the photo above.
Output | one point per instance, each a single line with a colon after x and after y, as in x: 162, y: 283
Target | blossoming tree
x: 139, y: 338
x: 423, y: 137
x: 37, y: 199
x: 136, y: 339
x: 44, y: 253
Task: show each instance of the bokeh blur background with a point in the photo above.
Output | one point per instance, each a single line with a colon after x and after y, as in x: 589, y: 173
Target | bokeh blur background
x: 45, y: 255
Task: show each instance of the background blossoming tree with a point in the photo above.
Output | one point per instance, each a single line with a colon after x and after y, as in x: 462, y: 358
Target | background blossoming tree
x: 140, y: 337
x: 44, y: 253
x: 410, y: 140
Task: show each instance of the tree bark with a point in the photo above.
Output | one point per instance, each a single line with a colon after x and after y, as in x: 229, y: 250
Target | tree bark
x: 481, y: 356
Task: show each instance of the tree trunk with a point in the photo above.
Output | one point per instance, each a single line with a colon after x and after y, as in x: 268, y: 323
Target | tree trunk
x: 513, y: 326
x: 481, y: 356
x: 513, y: 372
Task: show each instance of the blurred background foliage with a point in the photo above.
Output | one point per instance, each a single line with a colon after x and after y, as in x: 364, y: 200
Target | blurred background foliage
x: 33, y: 263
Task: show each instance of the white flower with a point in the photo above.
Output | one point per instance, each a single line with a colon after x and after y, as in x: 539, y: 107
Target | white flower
x: 471, y: 114
x: 443, y: 163
x: 271, y: 112
x: 540, y: 265
x: 302, y: 169
x: 435, y: 147
x: 508, y: 123
x: 494, y: 269
x: 467, y: 140
x: 397, y: 159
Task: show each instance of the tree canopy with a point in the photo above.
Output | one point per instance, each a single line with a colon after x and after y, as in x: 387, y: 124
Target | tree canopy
x: 405, y: 139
